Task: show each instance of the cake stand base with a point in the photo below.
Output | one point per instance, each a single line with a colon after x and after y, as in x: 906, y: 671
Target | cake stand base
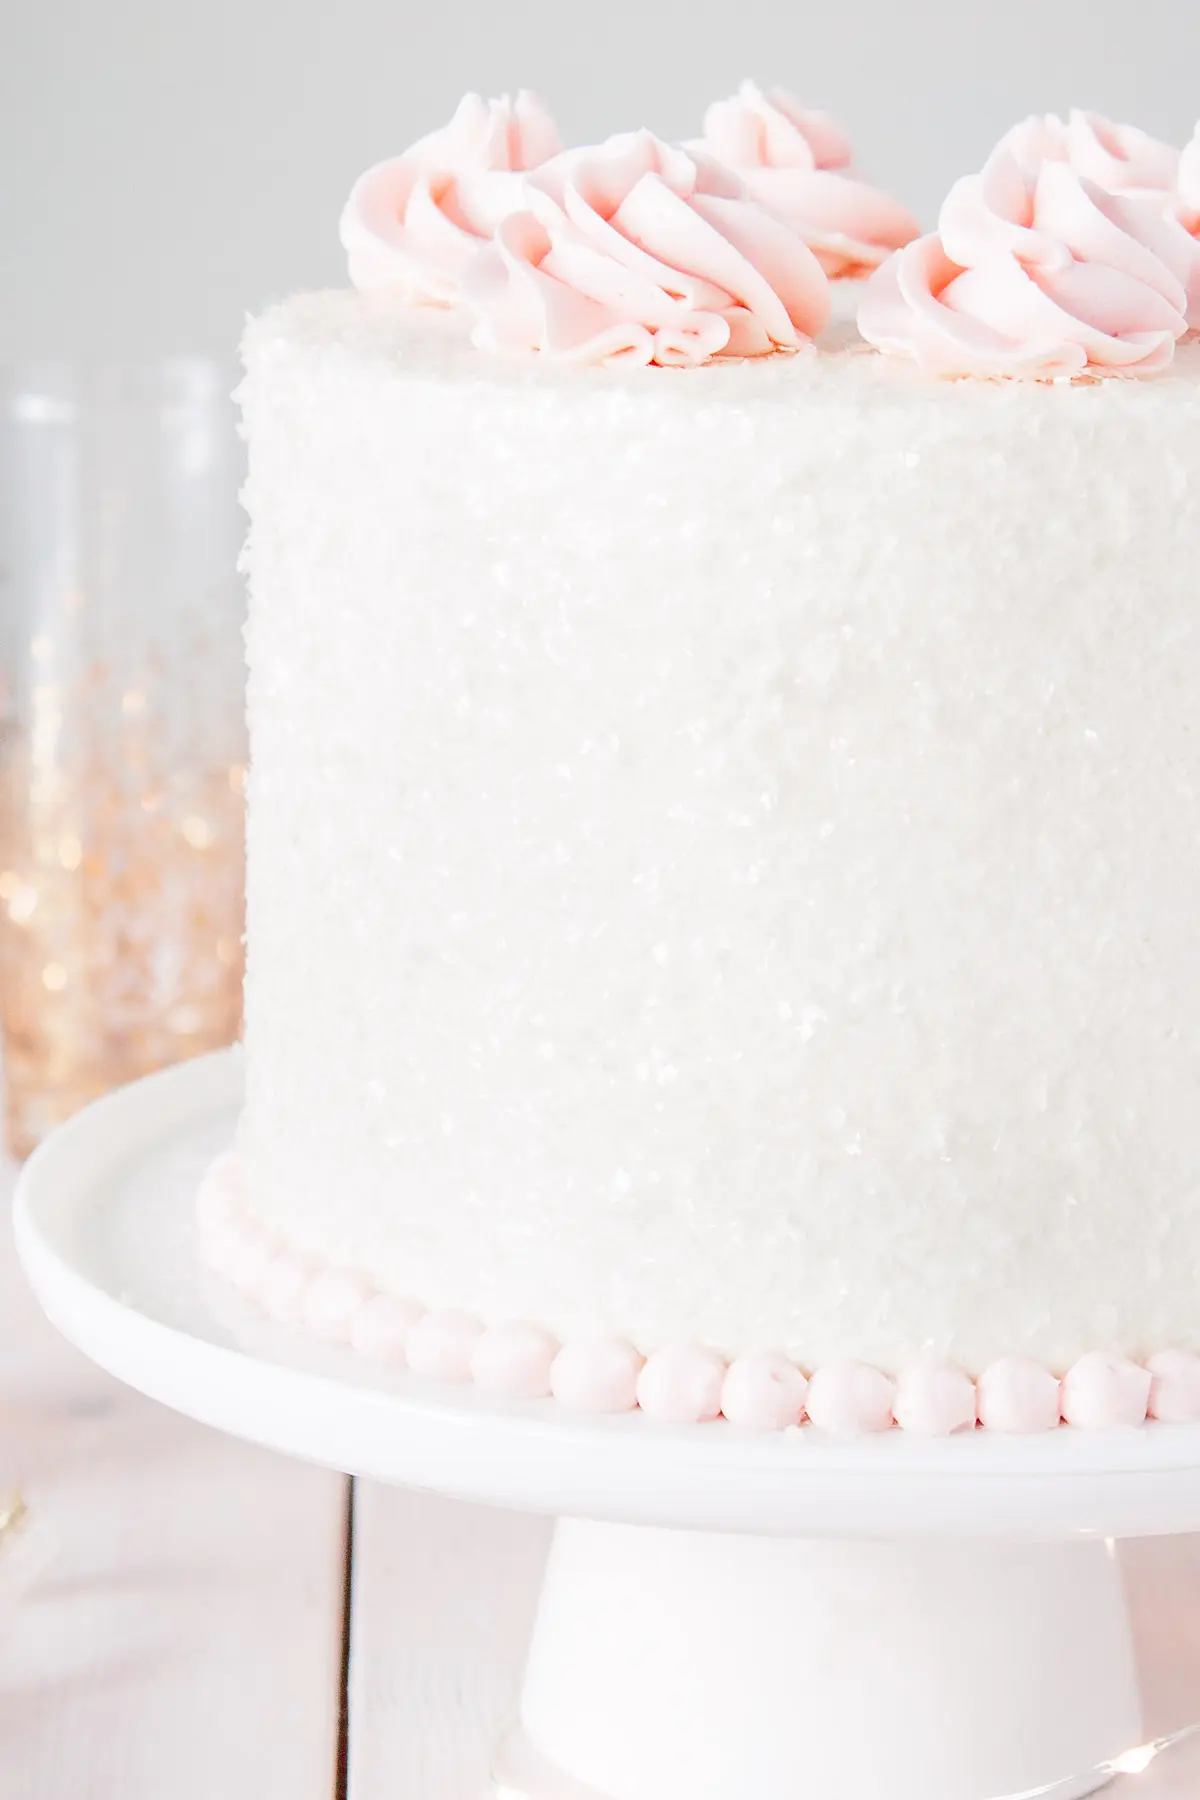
x: 726, y: 1615
x: 522, y: 1773
x: 670, y: 1663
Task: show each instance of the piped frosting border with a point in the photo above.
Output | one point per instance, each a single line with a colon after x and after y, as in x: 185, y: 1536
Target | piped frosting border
x: 686, y: 1383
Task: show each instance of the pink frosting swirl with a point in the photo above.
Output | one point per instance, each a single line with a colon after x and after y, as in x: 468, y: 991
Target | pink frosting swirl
x: 1188, y: 185
x: 1119, y: 158
x: 1037, y: 276
x: 641, y: 253
x: 1187, y: 212
x: 796, y: 165
x: 413, y: 224
x: 1122, y: 160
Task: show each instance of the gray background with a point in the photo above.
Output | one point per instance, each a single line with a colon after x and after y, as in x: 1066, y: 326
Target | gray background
x: 164, y: 167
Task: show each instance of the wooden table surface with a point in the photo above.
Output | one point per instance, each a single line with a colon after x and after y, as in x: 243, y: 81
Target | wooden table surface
x: 195, y: 1629
x: 214, y: 1622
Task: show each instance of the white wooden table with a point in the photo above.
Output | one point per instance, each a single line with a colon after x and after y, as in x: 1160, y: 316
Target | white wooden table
x: 217, y: 1621
x: 197, y: 1630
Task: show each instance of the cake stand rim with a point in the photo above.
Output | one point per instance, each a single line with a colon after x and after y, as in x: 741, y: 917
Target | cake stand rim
x: 323, y: 1405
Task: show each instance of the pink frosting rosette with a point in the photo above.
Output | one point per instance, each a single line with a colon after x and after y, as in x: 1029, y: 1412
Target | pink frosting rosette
x: 1122, y: 160
x: 796, y: 164
x: 1119, y: 158
x: 413, y: 224
x: 1042, y: 274
x: 638, y: 252
x: 1187, y: 211
x: 1187, y: 189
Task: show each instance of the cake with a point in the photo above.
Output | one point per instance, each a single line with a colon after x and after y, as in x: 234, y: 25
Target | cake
x: 723, y: 839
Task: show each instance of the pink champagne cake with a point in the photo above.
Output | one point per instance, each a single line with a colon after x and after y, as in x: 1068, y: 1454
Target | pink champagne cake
x: 724, y: 835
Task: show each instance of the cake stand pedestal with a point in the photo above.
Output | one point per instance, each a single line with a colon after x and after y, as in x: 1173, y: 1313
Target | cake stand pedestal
x: 724, y: 1614
x: 675, y: 1663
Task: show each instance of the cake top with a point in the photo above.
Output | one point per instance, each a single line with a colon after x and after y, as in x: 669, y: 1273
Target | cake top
x: 1074, y: 254
x: 385, y: 342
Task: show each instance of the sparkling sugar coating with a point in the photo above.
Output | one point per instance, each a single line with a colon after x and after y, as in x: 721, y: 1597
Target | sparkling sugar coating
x: 723, y: 845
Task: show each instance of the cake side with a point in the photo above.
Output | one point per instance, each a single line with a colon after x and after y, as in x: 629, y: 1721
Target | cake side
x: 722, y: 850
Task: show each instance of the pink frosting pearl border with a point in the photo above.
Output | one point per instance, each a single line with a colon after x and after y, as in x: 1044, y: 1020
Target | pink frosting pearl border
x: 680, y: 1384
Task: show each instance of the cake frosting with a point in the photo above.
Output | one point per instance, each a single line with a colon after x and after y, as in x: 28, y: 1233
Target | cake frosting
x: 414, y: 224
x: 639, y: 252
x: 796, y: 164
x: 1119, y: 158
x: 1036, y: 273
x: 1188, y: 184
x: 1187, y: 211
x: 721, y: 857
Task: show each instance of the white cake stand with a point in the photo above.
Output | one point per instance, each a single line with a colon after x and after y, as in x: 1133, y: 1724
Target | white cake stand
x: 724, y: 1615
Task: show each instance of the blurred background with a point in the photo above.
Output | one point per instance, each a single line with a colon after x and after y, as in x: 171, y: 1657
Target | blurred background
x: 168, y: 167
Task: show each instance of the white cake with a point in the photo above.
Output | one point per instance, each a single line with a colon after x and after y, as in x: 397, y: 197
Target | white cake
x: 723, y: 849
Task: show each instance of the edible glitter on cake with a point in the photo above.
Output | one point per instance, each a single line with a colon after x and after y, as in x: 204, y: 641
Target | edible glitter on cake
x: 683, y: 1384
x: 723, y: 860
